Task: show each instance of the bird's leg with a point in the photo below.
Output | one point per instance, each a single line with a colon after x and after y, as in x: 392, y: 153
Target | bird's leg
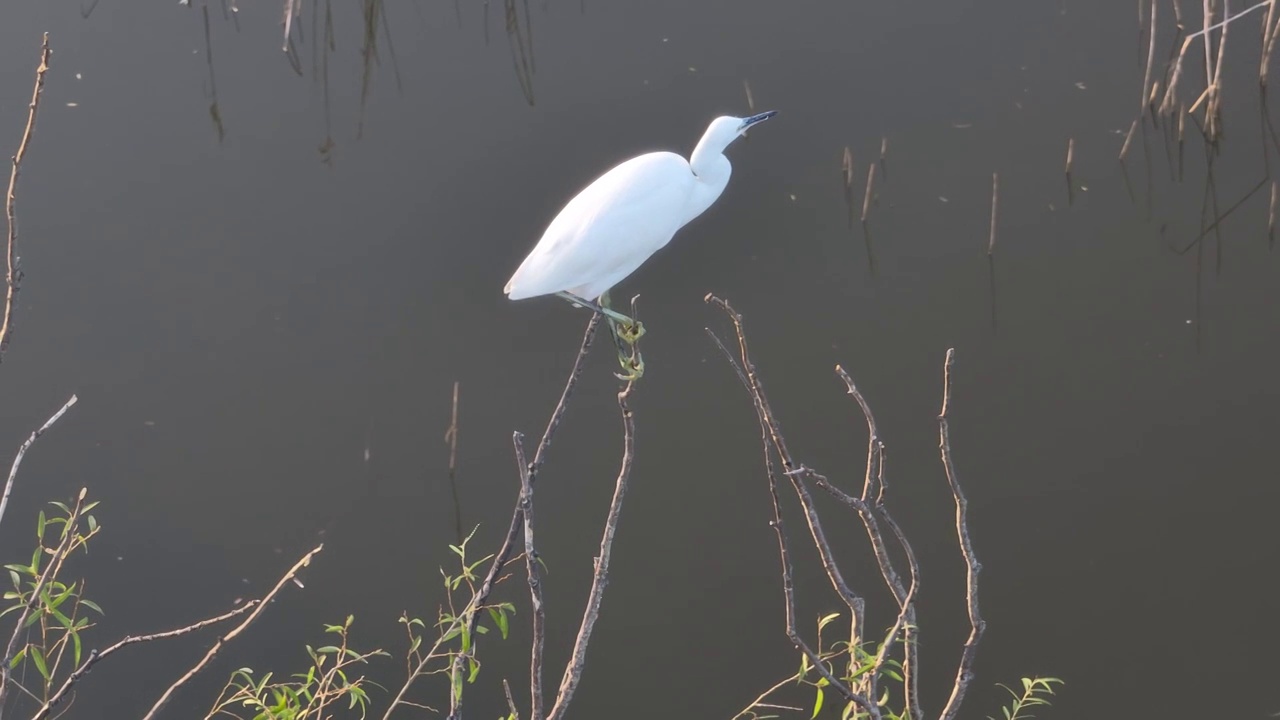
x: 629, y: 330
x: 628, y: 354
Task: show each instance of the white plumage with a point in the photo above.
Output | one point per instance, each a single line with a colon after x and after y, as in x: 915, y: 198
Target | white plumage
x: 620, y: 220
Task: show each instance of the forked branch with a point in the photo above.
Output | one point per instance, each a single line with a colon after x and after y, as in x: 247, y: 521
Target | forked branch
x: 860, y: 687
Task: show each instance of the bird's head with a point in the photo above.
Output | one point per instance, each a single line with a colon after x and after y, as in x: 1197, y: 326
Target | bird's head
x: 725, y: 129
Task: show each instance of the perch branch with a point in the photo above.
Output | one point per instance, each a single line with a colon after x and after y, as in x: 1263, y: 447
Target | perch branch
x: 517, y: 520
x: 573, y: 670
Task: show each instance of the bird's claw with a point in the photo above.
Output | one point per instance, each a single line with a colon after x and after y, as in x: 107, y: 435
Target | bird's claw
x: 634, y: 368
x: 631, y: 333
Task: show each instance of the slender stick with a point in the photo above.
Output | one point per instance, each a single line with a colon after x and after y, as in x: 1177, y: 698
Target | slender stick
x: 1071, y: 153
x: 600, y: 578
x: 866, y: 200
x: 96, y: 657
x: 213, y: 651
x: 535, y: 583
x: 964, y: 672
x: 517, y: 523
x: 22, y: 451
x: 12, y: 275
x: 995, y: 200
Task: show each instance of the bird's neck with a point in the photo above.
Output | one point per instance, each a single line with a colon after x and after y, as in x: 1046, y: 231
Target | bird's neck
x: 711, y: 170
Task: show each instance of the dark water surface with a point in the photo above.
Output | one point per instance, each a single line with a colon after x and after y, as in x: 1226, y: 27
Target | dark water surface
x: 243, y: 321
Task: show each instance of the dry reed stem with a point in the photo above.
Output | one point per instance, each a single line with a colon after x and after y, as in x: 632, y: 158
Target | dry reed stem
x: 12, y: 275
x: 995, y: 201
x: 451, y: 435
x: 22, y: 451
x: 96, y: 657
x: 1071, y: 152
x: 1271, y: 214
x: 866, y: 199
x: 217, y: 646
x: 846, y: 171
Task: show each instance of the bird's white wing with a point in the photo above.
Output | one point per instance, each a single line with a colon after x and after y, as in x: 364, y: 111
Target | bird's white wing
x: 609, y: 229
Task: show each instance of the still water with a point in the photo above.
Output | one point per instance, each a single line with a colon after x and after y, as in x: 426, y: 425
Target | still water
x: 263, y: 274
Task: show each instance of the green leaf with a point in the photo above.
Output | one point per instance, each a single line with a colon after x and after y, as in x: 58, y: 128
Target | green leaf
x: 75, y: 640
x: 499, y: 619
x: 817, y: 704
x: 475, y: 669
x: 40, y: 525
x: 92, y: 606
x: 38, y: 658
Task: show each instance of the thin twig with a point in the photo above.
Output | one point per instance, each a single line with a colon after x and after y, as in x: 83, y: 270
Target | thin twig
x: 13, y: 276
x: 535, y: 582
x: 22, y: 451
x: 600, y: 578
x: 511, y: 703
x: 517, y: 523
x: 964, y: 672
x: 96, y: 657
x: 64, y: 547
x: 213, y: 651
x: 772, y: 432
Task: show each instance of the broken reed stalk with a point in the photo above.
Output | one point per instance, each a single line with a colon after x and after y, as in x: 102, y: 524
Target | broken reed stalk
x: 751, y: 101
x: 995, y: 201
x: 217, y: 646
x: 1071, y: 152
x: 866, y: 200
x: 1271, y: 215
x: 451, y: 435
x: 846, y: 171
x: 1213, y: 110
x: 13, y: 276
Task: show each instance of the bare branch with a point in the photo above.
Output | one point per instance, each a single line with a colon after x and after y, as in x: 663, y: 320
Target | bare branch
x: 96, y: 657
x: 12, y: 275
x: 513, y: 532
x: 22, y: 451
x: 771, y: 436
x: 213, y: 651
x: 573, y: 671
x: 964, y: 673
x: 535, y: 583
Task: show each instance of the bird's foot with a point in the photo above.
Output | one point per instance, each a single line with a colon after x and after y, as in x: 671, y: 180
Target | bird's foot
x: 633, y: 368
x: 631, y: 332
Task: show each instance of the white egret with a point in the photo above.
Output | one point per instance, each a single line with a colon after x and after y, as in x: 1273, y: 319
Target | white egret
x: 620, y: 220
